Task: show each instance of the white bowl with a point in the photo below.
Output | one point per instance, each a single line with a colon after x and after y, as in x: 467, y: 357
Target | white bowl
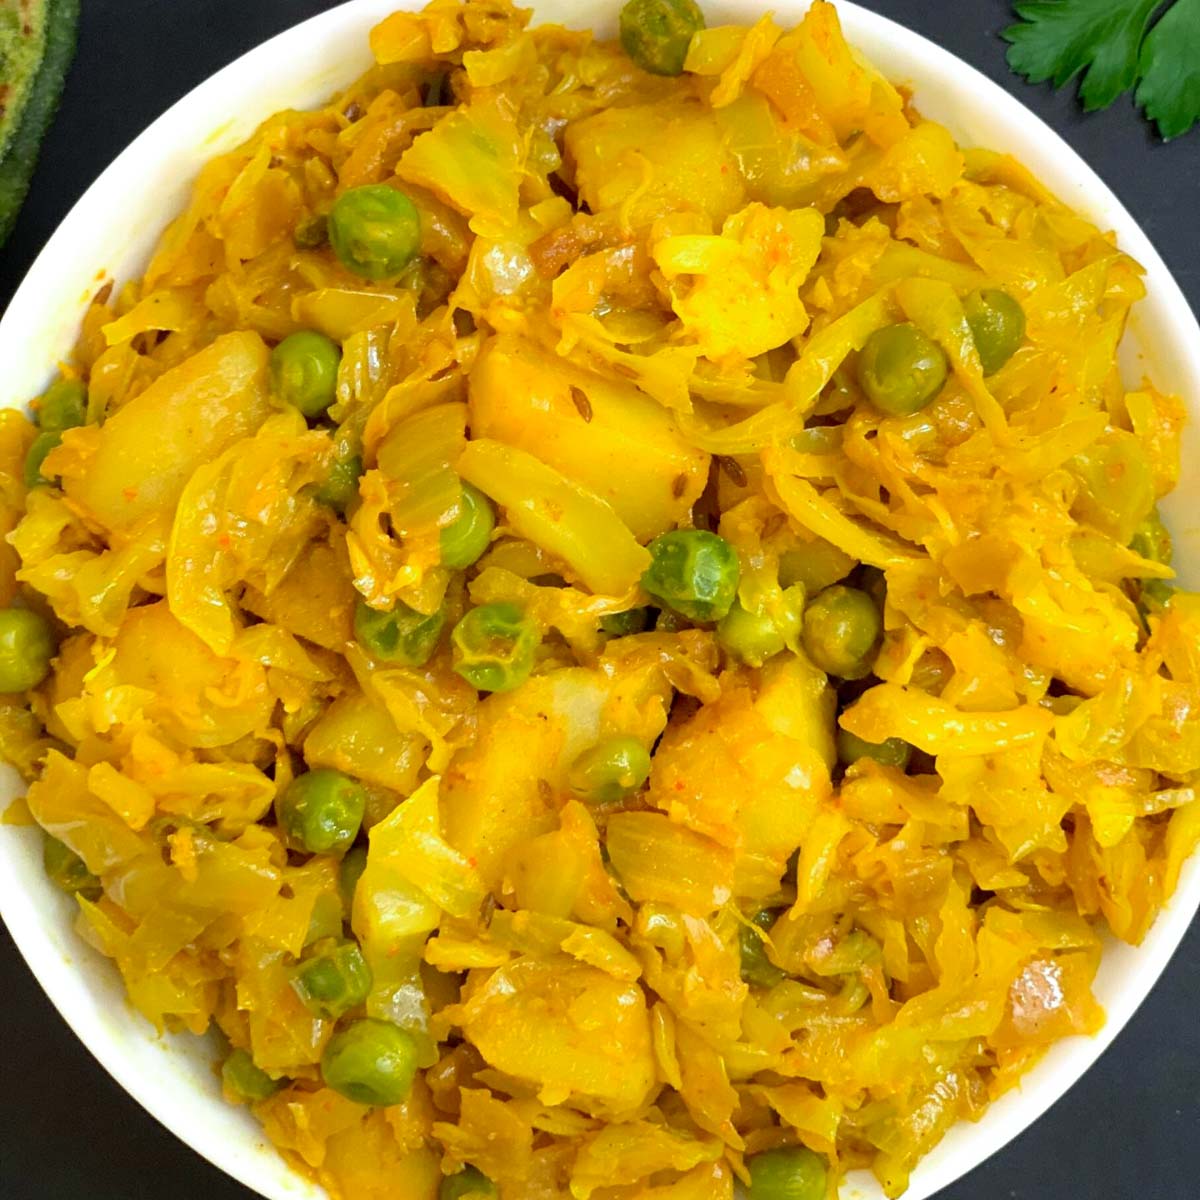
x: 111, y: 232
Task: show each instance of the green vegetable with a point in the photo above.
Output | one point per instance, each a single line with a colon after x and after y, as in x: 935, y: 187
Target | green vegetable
x: 401, y: 635
x: 1152, y: 540
x: 633, y: 620
x: 371, y: 1062
x: 354, y: 863
x: 757, y: 969
x: 312, y: 234
x: 494, y: 646
x: 755, y: 637
x: 341, y: 484
x: 789, y: 1173
x: 842, y: 626
x: 468, y: 535
x: 1117, y: 46
x: 901, y: 369
x: 326, y: 918
x: 247, y: 1081
x: 997, y: 324
x: 35, y: 70
x: 468, y: 1182
x: 375, y: 231
x: 611, y: 770
x: 63, y: 405
x: 26, y: 647
x: 321, y: 811
x: 656, y: 33
x: 36, y: 455
x: 304, y: 370
x: 815, y: 566
x: 65, y: 869
x: 694, y: 572
x: 893, y: 752
x: 334, y: 981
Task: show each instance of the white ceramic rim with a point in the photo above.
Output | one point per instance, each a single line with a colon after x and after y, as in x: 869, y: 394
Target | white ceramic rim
x: 39, y: 327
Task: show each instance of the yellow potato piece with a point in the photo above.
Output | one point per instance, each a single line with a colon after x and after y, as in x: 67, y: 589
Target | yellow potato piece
x: 627, y: 450
x: 563, y: 1027
x: 148, y: 449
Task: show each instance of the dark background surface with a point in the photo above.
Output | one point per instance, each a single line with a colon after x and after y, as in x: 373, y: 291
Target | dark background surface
x: 1129, y: 1131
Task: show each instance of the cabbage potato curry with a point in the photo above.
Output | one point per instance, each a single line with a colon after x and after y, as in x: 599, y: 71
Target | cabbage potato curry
x: 599, y: 614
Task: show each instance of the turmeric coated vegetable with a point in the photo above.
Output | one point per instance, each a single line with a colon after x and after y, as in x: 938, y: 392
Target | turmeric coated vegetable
x: 370, y: 1062
x: 375, y: 230
x: 693, y: 572
x: 304, y: 370
x: 400, y: 635
x: 600, y: 613
x: 494, y: 646
x: 656, y: 33
x: 26, y: 647
x: 841, y: 628
x: 901, y: 369
x: 789, y: 1173
x: 320, y: 811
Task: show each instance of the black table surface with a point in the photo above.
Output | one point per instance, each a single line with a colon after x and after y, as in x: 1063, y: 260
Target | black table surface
x: 1129, y: 1131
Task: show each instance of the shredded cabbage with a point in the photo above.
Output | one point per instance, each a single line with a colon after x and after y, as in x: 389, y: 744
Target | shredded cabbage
x: 639, y: 306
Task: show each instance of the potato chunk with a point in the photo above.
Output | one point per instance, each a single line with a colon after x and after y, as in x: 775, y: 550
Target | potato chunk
x: 146, y: 452
x: 628, y: 453
x: 661, y: 158
x: 572, y: 1031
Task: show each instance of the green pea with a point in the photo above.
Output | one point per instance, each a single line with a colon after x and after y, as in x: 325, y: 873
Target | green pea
x: 622, y: 624
x: 470, y: 1181
x: 36, y: 455
x: 755, y: 637
x: 694, y: 572
x: 63, y: 406
x: 26, y: 648
x: 371, y: 1062
x: 997, y: 324
x: 66, y: 870
x: 757, y: 969
x: 341, y: 484
x: 400, y: 635
x: 304, y: 371
x: 494, y: 647
x: 901, y: 369
x: 321, y: 811
x: 842, y: 626
x: 468, y: 535
x: 354, y: 863
x: 247, y: 1081
x: 656, y: 33
x: 893, y: 752
x: 611, y: 770
x: 333, y: 982
x: 375, y: 231
x: 788, y: 1173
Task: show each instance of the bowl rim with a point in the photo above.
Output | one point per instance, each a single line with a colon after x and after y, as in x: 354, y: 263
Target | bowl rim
x: 64, y: 982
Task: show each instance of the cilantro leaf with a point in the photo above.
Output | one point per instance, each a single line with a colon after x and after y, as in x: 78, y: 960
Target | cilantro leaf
x: 1057, y: 39
x: 1170, y: 70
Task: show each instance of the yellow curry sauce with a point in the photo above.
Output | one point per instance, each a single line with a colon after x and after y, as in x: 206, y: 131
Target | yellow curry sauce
x: 640, y: 303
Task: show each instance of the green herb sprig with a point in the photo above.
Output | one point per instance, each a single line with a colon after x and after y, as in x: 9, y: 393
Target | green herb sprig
x: 1149, y: 47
